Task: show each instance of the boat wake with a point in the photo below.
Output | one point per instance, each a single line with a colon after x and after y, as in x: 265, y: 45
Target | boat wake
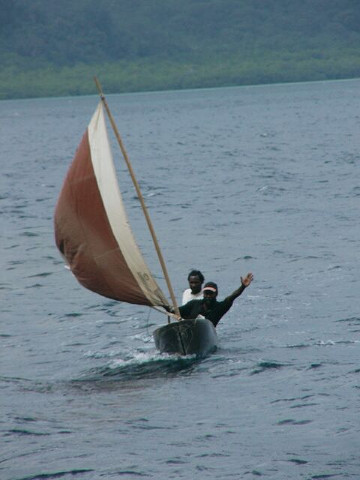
x: 137, y: 367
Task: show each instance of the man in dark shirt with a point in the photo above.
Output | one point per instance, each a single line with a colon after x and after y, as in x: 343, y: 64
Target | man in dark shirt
x: 209, y: 307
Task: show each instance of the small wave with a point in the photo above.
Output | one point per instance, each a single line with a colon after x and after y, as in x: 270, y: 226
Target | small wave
x: 29, y: 234
x: 131, y: 472
x: 73, y: 314
x: 298, y: 461
x: 325, y: 343
x: 291, y: 399
x: 21, y: 432
x: 44, y: 274
x: 291, y: 421
x: 35, y: 285
x: 304, y: 405
x: 245, y: 257
x: 323, y: 477
x: 264, y: 366
x: 350, y: 320
x: 298, y: 345
x: 315, y: 365
x: 42, y: 476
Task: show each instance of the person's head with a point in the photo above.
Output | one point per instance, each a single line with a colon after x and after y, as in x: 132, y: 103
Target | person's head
x: 210, y: 292
x: 195, y: 279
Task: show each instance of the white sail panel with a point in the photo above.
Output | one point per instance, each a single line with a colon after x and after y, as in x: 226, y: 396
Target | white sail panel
x: 102, y: 161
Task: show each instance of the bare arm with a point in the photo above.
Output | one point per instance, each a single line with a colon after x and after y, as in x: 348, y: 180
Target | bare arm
x: 245, y: 282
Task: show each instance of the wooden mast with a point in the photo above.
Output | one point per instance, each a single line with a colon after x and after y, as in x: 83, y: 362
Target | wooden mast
x: 140, y: 196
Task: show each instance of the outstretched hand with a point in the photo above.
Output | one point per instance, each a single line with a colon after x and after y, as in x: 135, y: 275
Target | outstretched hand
x: 247, y: 280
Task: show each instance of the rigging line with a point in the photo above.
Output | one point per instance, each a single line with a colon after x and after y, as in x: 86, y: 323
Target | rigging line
x: 169, y: 314
x: 147, y: 321
x: 140, y: 196
x: 181, y: 340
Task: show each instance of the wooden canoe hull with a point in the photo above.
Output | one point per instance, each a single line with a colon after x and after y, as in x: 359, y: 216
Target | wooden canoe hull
x: 187, y: 337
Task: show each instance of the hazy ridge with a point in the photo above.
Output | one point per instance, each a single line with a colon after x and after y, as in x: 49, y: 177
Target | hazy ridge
x: 55, y: 48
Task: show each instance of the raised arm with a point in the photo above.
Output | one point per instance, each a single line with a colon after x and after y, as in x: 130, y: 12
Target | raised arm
x: 245, y: 282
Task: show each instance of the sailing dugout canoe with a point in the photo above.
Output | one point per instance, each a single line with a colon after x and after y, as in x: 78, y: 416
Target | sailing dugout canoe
x: 94, y: 236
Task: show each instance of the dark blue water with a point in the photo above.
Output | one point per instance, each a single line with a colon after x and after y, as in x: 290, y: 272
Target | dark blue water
x: 262, y: 179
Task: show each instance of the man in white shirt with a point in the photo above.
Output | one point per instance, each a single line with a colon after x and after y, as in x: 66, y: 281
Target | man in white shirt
x: 195, y: 279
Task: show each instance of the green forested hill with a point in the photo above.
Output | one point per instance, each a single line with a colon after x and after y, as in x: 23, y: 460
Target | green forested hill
x: 51, y: 47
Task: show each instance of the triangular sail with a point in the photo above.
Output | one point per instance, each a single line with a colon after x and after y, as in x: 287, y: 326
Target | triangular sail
x: 91, y: 226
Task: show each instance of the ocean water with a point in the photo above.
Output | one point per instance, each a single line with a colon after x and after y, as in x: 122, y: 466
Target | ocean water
x: 263, y: 179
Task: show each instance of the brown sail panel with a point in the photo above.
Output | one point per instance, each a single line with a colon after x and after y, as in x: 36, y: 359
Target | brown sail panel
x: 91, y: 226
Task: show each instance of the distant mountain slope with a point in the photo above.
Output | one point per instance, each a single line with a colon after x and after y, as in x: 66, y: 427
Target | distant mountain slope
x: 195, y: 36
